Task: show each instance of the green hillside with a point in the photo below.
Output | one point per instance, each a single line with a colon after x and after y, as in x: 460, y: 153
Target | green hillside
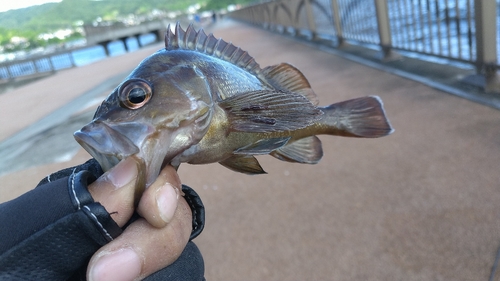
x: 16, y: 19
x: 60, y: 15
x: 29, y: 22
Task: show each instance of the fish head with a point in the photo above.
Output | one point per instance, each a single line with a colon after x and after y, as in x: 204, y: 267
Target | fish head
x: 153, y: 116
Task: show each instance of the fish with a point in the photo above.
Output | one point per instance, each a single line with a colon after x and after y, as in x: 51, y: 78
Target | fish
x: 203, y: 100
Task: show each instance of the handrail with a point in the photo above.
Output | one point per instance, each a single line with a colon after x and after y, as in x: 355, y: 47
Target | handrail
x: 459, y: 30
x: 37, y: 64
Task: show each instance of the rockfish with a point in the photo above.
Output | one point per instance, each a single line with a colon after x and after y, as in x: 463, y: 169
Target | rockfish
x: 202, y: 100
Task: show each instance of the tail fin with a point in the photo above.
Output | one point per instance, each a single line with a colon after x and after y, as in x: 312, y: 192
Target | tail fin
x: 361, y: 117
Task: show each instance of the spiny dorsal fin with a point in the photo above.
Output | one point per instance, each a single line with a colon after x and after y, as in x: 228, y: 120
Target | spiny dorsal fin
x: 285, y: 77
x: 199, y: 41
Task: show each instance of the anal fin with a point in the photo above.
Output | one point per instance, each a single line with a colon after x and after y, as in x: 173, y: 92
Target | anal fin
x: 244, y: 164
x: 307, y: 150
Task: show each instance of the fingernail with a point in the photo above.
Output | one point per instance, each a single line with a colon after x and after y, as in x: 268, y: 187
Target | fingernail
x: 166, y: 198
x: 121, y: 265
x: 123, y: 173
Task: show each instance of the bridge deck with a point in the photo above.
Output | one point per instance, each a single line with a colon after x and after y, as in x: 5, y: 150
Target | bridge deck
x: 421, y: 204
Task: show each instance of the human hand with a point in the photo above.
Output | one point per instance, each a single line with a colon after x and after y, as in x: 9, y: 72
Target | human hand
x: 153, y: 241
x: 62, y: 227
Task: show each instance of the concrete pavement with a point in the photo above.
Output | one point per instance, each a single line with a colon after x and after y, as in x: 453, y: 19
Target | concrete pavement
x: 421, y: 204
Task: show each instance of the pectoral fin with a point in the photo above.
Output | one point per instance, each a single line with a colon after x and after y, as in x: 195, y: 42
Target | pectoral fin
x: 307, y: 150
x: 269, y: 111
x: 243, y: 164
x: 263, y: 146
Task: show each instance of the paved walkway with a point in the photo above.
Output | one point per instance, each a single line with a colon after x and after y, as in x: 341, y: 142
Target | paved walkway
x: 421, y: 204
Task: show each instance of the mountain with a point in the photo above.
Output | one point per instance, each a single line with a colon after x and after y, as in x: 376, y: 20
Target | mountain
x: 14, y: 19
x: 52, y: 16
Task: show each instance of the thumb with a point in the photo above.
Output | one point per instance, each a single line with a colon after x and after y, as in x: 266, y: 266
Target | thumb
x: 115, y: 190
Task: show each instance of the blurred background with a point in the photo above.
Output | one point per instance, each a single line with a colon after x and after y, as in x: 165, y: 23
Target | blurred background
x: 421, y: 204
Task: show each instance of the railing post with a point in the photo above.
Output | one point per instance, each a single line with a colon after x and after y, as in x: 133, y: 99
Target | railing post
x: 278, y: 18
x: 9, y: 72
x: 270, y: 6
x: 337, y: 22
x: 486, y: 38
x: 257, y: 16
x: 293, y: 5
x: 71, y: 59
x: 252, y: 17
x: 384, y: 30
x: 310, y: 18
x: 51, y: 65
x: 261, y: 16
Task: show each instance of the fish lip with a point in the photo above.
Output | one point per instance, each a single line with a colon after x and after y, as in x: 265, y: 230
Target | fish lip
x: 105, y: 144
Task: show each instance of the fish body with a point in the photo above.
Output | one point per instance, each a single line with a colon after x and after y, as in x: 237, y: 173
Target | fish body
x: 202, y: 100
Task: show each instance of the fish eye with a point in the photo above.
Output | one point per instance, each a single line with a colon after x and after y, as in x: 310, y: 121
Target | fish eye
x: 134, y: 93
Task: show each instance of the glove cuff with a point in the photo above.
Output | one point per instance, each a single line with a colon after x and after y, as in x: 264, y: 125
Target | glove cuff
x: 82, y: 200
x: 197, y: 208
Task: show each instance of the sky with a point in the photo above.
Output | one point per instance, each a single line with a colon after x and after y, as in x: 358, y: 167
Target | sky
x: 17, y: 4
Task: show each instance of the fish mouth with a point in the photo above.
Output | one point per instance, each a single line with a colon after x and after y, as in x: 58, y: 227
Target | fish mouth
x: 108, y: 145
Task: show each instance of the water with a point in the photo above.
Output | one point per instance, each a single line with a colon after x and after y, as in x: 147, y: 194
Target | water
x: 80, y: 57
x: 115, y: 48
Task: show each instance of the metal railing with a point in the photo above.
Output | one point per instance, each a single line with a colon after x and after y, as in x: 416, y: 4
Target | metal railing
x: 39, y: 65
x: 460, y: 30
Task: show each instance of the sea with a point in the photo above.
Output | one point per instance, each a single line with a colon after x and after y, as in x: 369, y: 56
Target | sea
x: 80, y: 57
x: 95, y: 53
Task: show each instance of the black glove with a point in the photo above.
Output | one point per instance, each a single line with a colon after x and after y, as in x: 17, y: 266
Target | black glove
x: 50, y: 232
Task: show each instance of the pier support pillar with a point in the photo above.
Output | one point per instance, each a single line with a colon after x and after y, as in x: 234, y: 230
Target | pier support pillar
x: 138, y: 41
x: 160, y: 35
x: 105, y: 46
x: 124, y: 41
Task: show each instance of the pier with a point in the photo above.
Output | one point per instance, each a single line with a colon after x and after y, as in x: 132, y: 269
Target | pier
x: 103, y: 35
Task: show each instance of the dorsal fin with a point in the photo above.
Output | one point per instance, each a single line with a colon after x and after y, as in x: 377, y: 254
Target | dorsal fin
x: 199, y: 41
x: 285, y: 77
